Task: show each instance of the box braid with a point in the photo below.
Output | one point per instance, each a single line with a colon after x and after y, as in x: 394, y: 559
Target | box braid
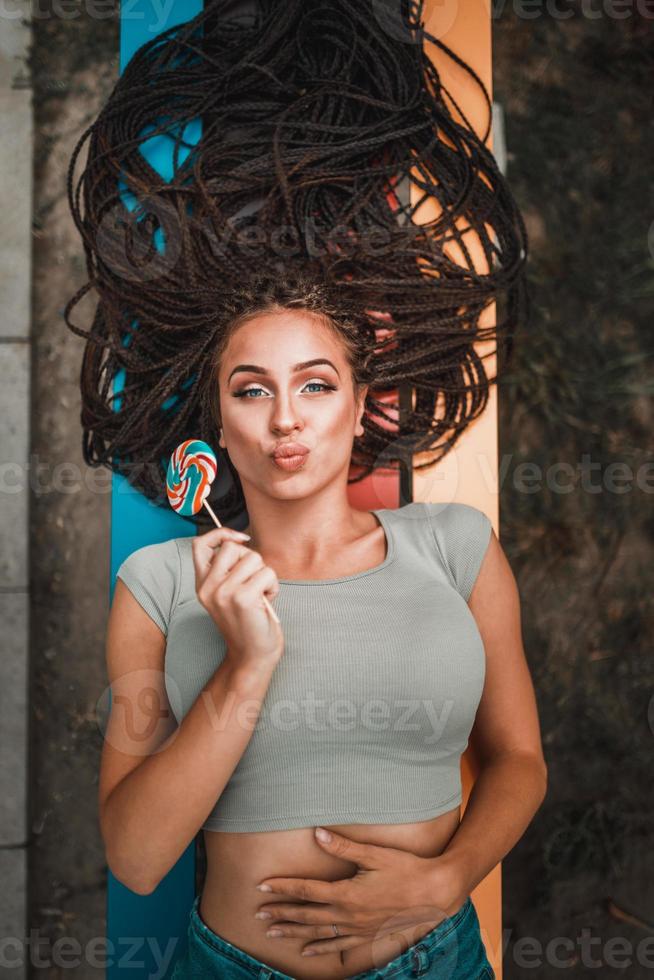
x: 315, y: 116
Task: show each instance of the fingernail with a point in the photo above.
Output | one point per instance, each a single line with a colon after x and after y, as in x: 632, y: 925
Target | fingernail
x: 323, y: 835
x: 264, y: 888
x: 242, y: 534
x: 308, y: 952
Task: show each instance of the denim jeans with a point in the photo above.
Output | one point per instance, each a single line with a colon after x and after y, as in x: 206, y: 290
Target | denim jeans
x: 453, y: 950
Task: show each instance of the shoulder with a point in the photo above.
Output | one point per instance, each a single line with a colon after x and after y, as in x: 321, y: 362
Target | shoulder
x: 158, y: 559
x: 450, y: 520
x: 461, y: 533
x: 456, y: 518
x: 152, y: 556
x: 152, y: 573
x: 417, y: 509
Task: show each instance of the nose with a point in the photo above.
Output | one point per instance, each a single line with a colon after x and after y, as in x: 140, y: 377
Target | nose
x: 285, y: 414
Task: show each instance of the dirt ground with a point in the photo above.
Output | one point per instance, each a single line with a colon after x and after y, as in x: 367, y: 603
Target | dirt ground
x: 577, y: 100
x: 74, y: 65
x: 579, y: 135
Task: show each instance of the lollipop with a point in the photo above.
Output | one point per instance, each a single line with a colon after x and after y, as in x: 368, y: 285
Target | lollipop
x: 191, y: 471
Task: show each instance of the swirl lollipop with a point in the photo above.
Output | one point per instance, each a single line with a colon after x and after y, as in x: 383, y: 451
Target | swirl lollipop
x: 191, y: 471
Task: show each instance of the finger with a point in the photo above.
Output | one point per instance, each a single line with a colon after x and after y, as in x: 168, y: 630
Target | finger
x: 291, y: 930
x: 204, y: 545
x: 309, y: 889
x: 369, y: 856
x: 229, y: 551
x: 309, y: 914
x: 333, y: 945
x: 262, y: 581
x: 212, y: 538
x: 233, y: 560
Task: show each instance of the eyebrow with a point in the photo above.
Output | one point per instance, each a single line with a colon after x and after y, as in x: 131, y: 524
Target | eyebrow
x: 255, y: 369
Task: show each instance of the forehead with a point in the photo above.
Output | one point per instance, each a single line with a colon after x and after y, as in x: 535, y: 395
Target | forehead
x: 290, y: 335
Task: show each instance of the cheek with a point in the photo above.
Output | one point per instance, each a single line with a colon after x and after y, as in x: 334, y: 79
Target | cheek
x: 338, y: 421
x: 242, y: 427
x: 334, y: 435
x: 242, y: 439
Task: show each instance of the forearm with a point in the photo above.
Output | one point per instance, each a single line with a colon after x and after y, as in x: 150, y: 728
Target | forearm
x: 504, y: 798
x: 154, y: 813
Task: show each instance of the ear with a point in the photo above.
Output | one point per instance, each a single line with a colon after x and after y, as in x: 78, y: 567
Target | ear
x: 359, y: 430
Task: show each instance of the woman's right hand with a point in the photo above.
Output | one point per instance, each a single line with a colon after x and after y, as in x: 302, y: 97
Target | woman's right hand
x: 230, y: 582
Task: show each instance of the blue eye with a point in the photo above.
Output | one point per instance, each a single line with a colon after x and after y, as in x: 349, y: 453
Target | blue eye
x: 243, y: 392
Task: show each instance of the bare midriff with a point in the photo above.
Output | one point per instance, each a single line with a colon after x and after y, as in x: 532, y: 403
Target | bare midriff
x: 238, y: 862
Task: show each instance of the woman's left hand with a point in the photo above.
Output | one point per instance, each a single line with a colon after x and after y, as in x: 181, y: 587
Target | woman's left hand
x: 391, y: 890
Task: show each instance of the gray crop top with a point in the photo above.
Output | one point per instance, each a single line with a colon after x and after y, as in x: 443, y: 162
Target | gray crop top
x: 371, y: 706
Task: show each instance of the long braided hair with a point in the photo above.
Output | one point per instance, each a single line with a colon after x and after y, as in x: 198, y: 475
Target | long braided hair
x: 295, y: 132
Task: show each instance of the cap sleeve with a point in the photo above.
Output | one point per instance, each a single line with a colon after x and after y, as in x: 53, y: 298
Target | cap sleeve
x: 152, y: 574
x: 462, y: 534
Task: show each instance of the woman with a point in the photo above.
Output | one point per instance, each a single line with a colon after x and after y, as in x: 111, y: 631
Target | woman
x: 415, y: 609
